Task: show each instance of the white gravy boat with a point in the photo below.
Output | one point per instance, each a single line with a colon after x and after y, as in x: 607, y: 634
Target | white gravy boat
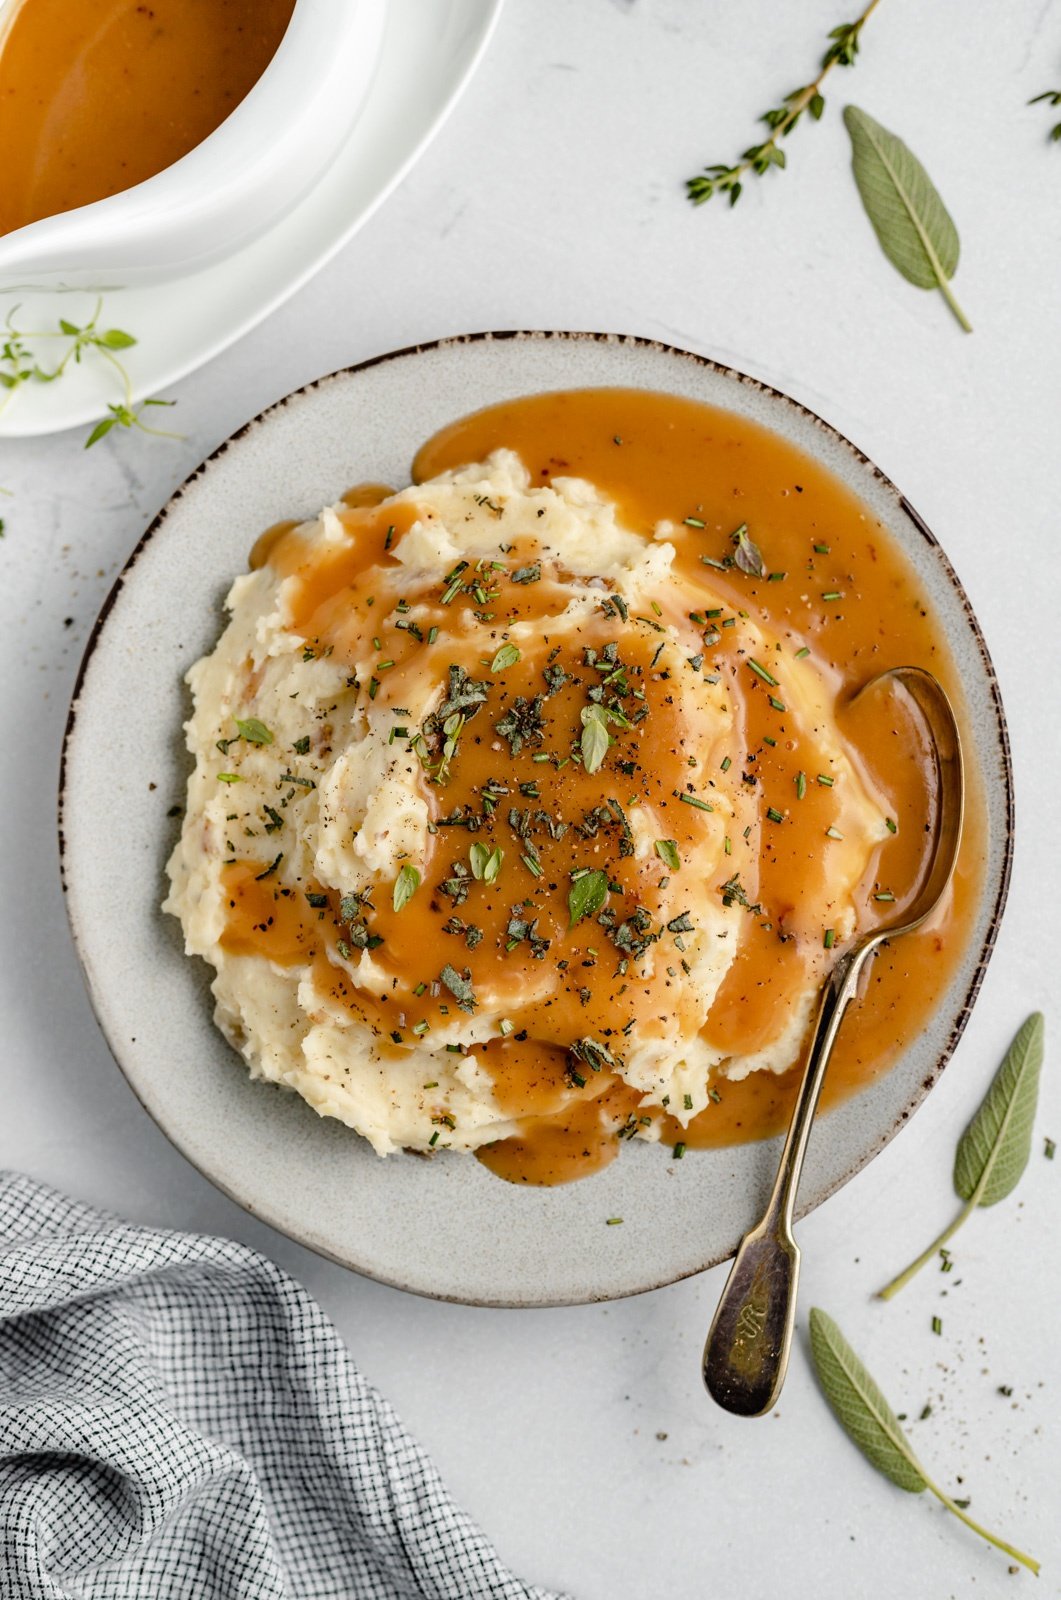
x: 241, y: 180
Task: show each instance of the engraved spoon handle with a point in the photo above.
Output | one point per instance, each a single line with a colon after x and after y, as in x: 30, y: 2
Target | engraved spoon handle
x: 746, y: 1353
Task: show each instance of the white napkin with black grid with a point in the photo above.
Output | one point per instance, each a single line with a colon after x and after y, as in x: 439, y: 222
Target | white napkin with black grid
x: 180, y: 1421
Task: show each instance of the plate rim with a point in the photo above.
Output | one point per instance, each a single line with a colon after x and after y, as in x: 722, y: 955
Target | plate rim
x: 963, y: 1009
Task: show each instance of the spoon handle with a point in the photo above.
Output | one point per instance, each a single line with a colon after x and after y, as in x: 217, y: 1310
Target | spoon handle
x: 746, y: 1353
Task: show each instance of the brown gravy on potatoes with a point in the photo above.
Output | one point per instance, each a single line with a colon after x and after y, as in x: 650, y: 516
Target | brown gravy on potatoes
x: 99, y: 95
x: 834, y: 586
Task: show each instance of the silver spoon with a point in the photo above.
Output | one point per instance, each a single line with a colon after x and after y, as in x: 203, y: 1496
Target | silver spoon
x: 746, y: 1353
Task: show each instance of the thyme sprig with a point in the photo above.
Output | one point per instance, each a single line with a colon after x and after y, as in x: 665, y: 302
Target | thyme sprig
x: 20, y: 364
x: 1052, y: 98
x: 759, y: 158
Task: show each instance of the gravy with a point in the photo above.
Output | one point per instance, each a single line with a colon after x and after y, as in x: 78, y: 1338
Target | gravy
x: 98, y: 95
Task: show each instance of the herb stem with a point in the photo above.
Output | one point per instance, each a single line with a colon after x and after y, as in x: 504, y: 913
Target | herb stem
x: 761, y: 157
x: 999, y: 1544
x: 891, y: 1289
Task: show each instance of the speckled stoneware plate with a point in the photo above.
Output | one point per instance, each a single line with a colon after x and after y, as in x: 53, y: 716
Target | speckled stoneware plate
x: 444, y: 1227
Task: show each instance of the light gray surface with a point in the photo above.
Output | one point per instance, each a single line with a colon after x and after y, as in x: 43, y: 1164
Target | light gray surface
x: 551, y: 199
x: 444, y: 1227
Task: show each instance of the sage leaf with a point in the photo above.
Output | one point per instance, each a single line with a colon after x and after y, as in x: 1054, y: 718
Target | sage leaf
x: 595, y: 737
x: 866, y: 1417
x: 994, y: 1149
x: 667, y: 850
x: 914, y: 227
x: 405, y: 886
x: 586, y: 896
x: 860, y: 1407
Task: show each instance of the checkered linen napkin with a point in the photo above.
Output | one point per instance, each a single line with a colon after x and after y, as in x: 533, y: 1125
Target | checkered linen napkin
x: 179, y: 1419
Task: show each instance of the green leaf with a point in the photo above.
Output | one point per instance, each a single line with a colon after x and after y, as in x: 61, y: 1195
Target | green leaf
x: 253, y: 731
x: 994, y: 1149
x: 914, y: 227
x: 101, y: 428
x: 405, y: 886
x: 748, y: 556
x: 667, y: 850
x: 587, y: 896
x: 492, y: 870
x: 507, y: 656
x: 479, y: 855
x: 595, y: 737
x: 115, y: 339
x: 69, y: 328
x: 868, y: 1419
x: 860, y: 1407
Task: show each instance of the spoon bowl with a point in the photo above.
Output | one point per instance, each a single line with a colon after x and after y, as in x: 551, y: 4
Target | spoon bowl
x: 747, y: 1349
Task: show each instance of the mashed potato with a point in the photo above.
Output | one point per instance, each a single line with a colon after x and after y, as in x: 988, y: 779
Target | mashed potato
x: 480, y: 838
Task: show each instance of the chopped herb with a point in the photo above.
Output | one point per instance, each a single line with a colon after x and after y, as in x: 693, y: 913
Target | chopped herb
x: 253, y: 731
x: 614, y: 1222
x: 747, y: 558
x: 805, y: 651
x: 679, y: 1150
x: 761, y: 672
x: 667, y: 850
x: 301, y: 746
x: 693, y: 800
x: 726, y: 763
x: 595, y: 738
x: 826, y: 781
x: 405, y: 886
x: 773, y: 814
x: 937, y: 1325
x: 801, y: 785
x: 830, y: 938
x: 531, y: 574
x: 460, y: 987
x: 319, y: 902
x: 693, y: 522
x: 891, y: 825
x: 1049, y: 1149
x: 833, y: 594
x: 270, y: 869
x: 586, y: 896
x: 778, y: 705
x: 229, y: 777
x: 507, y: 656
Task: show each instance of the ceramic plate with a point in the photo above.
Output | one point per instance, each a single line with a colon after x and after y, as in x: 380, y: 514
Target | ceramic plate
x: 443, y: 1227
x: 428, y: 54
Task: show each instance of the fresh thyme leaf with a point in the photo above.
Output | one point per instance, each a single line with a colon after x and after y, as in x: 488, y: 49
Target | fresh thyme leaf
x: 587, y: 896
x: 747, y: 555
x: 667, y: 850
x: 1053, y: 98
x: 405, y: 886
x: 595, y: 737
x: 492, y: 869
x: 253, y: 731
x: 507, y: 656
x: 994, y: 1149
x: 479, y: 855
x: 759, y: 158
x: 914, y: 227
x: 869, y: 1421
